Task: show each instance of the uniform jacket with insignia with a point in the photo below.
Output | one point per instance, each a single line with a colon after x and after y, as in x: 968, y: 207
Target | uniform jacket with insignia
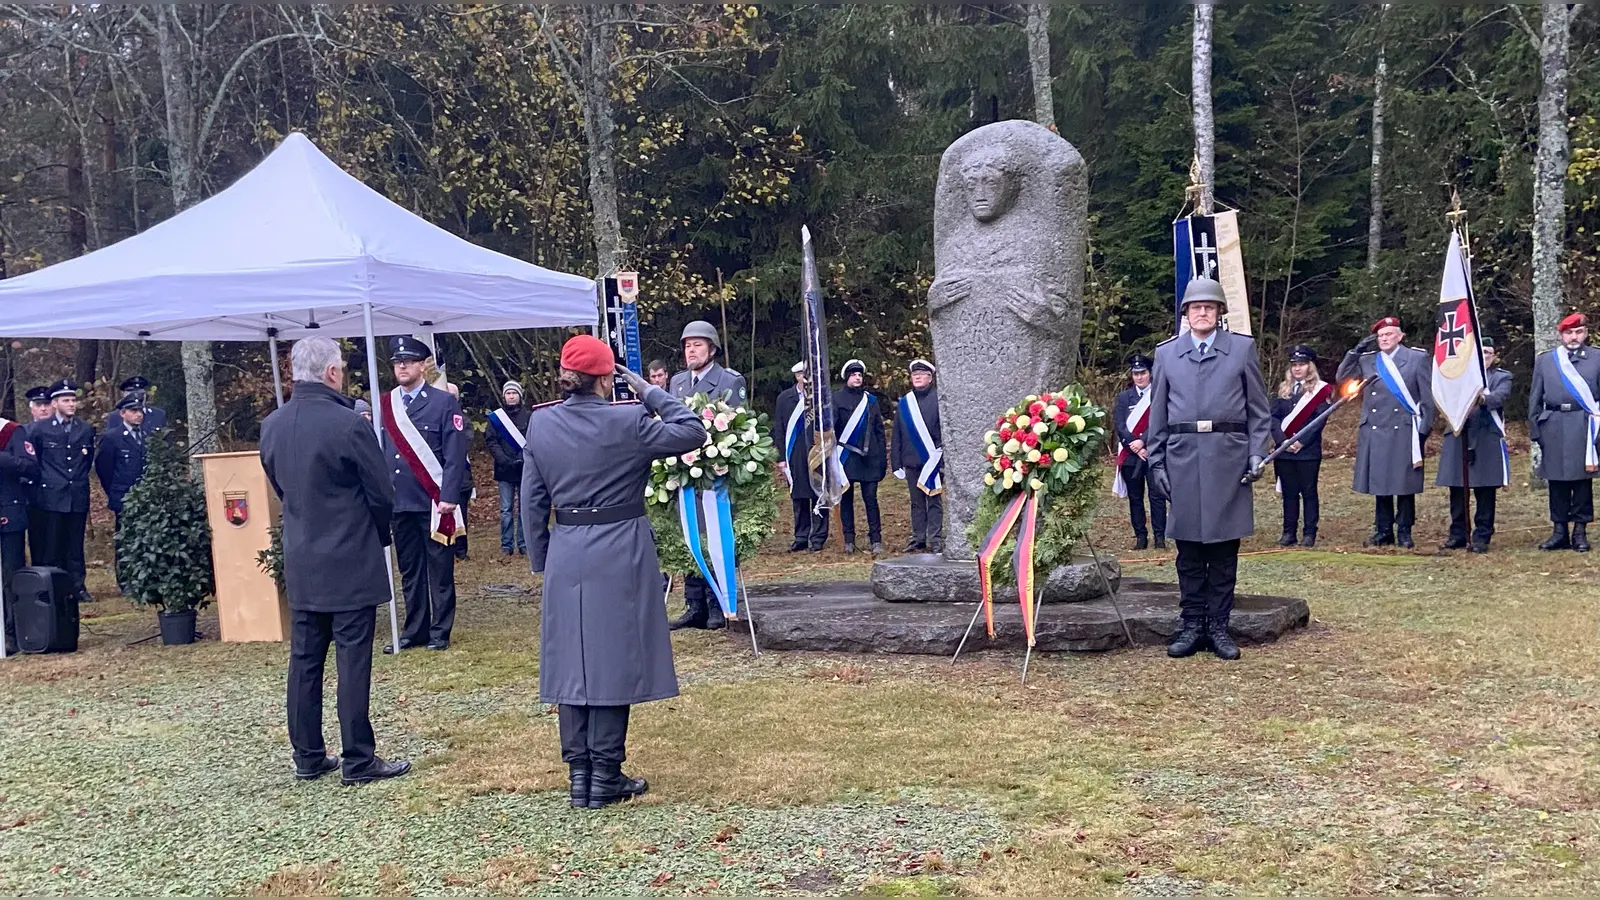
x: 19, y: 466
x: 155, y: 419
x: 438, y: 418
x: 1486, y: 463
x: 1561, y: 433
x: 66, y: 456
x: 120, y: 463
x: 1383, y: 450
x: 715, y: 382
x: 902, y: 450
x: 1311, y: 441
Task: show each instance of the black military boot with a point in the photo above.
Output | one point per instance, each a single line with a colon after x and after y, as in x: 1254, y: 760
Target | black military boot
x: 1161, y: 542
x: 1287, y: 539
x: 1580, y: 537
x: 1189, y: 639
x: 1140, y: 542
x: 1558, y: 539
x: 1221, y: 642
x: 1309, y: 539
x: 694, y: 615
x: 607, y: 785
x: 580, y: 775
x: 715, y: 620
x: 1405, y: 540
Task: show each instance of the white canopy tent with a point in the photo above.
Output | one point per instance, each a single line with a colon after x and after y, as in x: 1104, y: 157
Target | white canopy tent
x: 296, y: 247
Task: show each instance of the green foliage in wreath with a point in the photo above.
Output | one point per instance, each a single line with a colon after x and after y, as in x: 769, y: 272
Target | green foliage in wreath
x: 165, y: 541
x: 755, y: 510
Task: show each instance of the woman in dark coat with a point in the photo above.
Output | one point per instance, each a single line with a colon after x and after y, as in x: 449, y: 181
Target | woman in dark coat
x: 603, y: 644
x: 1302, y: 396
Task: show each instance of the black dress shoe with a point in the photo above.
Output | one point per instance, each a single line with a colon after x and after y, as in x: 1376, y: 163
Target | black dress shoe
x: 438, y: 645
x: 1405, y: 540
x: 1188, y: 641
x: 1309, y: 539
x: 1221, y: 641
x: 329, y: 763
x: 797, y: 547
x: 579, y: 775
x: 849, y: 547
x: 377, y: 771
x: 607, y: 785
x: 1140, y: 543
x: 1287, y: 539
x: 1455, y: 543
x: 915, y: 547
x: 1558, y: 539
x: 1580, y: 538
x: 1478, y: 547
x: 817, y: 548
x: 1378, y: 539
x: 1161, y: 542
x: 404, y: 645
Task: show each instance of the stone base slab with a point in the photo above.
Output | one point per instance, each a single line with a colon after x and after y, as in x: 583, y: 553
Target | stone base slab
x: 927, y: 578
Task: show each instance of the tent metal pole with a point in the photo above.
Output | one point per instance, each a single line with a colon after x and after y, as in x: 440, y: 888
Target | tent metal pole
x: 277, y: 376
x: 377, y: 427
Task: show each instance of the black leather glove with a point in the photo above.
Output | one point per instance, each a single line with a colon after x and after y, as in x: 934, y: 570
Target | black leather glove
x: 1256, y: 468
x: 633, y: 380
x: 1367, y: 343
x: 1160, y: 484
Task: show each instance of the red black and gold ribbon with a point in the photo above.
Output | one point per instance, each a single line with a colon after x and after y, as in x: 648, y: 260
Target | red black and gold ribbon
x: 1022, y: 560
x: 991, y: 547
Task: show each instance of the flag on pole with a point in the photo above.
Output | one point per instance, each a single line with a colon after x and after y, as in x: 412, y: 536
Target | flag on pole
x: 1209, y: 247
x: 1458, y: 376
x: 826, y: 471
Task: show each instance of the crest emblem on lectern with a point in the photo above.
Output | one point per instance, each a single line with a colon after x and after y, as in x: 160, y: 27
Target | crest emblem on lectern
x: 236, y: 505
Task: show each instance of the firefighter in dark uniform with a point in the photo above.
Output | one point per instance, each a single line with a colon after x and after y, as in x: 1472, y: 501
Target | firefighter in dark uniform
x: 1134, y: 470
x: 39, y: 405
x: 1300, y: 466
x: 427, y: 566
x: 798, y: 433
x: 865, y: 459
x: 39, y: 409
x: 155, y: 418
x: 119, y: 463
x: 19, y: 466
x: 703, y: 375
x: 65, y: 445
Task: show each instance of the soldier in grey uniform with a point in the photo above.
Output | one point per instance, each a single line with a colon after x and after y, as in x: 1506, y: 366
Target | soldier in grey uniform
x: 1386, y: 465
x: 702, y: 375
x: 603, y: 642
x: 1209, y: 426
x: 1487, y: 466
x: 1562, y: 427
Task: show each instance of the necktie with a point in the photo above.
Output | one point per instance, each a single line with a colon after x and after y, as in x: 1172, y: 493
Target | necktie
x: 1298, y: 387
x: 409, y: 398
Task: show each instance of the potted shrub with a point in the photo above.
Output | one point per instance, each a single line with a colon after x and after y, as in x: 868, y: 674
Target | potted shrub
x: 165, y: 543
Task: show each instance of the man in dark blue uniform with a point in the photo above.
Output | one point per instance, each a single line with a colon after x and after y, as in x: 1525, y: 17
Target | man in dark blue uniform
x: 39, y: 405
x: 119, y: 463
x: 18, y: 467
x: 65, y: 446
x: 859, y: 418
x: 155, y: 418
x: 1131, y: 453
x: 430, y: 478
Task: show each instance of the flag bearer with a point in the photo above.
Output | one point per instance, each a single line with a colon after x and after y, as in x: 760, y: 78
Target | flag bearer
x: 1488, y: 463
x: 859, y: 418
x: 1302, y: 396
x: 799, y: 433
x: 1130, y: 415
x: 918, y: 454
x: 1564, y: 420
x: 1396, y: 417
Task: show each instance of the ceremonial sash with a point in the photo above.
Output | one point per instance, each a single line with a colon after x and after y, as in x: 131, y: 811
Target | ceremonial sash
x: 716, y: 509
x: 1579, y: 389
x: 1390, y: 375
x: 7, y: 429
x: 1299, y: 416
x: 791, y: 434
x: 853, y: 439
x: 930, y: 479
x: 1136, y: 423
x: 507, y: 429
x: 1505, y: 449
x: 408, y: 441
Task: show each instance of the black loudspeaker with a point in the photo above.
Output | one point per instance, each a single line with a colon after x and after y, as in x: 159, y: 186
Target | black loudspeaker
x: 46, y: 611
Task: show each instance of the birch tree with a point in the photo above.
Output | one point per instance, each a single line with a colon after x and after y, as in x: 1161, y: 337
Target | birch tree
x: 1038, y: 30
x: 1205, y: 136
x: 1375, y: 216
x: 1550, y: 172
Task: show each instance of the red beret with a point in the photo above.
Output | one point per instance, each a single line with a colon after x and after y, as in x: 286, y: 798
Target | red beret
x: 1576, y: 320
x: 1385, y: 322
x: 587, y: 354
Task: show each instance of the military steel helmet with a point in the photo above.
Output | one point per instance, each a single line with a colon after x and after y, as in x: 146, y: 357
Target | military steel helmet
x: 1203, y: 289
x: 701, y: 329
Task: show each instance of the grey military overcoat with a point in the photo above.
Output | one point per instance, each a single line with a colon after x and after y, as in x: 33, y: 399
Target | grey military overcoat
x: 717, y: 381
x: 1209, y: 504
x: 1486, y: 462
x: 603, y: 638
x: 1383, y: 451
x: 1561, y: 434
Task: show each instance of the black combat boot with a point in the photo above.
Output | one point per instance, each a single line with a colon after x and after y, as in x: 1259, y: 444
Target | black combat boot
x: 1189, y: 640
x: 694, y: 615
x: 1558, y: 539
x: 715, y: 620
x: 607, y: 785
x: 1221, y: 642
x: 1405, y: 540
x: 1140, y: 542
x: 1580, y: 537
x: 1287, y: 540
x: 580, y: 775
x: 1161, y: 542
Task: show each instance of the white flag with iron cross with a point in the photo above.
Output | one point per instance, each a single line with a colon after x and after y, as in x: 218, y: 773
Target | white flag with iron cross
x: 1458, y: 376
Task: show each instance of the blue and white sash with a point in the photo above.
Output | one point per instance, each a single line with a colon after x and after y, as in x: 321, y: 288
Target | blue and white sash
x: 1579, y: 389
x: 791, y: 435
x: 1505, y: 449
x: 930, y: 479
x: 1390, y: 375
x: 507, y: 429
x: 853, y: 438
x: 716, y: 510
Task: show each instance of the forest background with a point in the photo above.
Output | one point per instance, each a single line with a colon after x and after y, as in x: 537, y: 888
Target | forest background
x: 690, y: 143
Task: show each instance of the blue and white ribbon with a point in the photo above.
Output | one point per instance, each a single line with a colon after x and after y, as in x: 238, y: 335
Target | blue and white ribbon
x: 791, y: 435
x: 1579, y: 389
x: 507, y: 429
x: 716, y: 510
x: 930, y: 479
x: 853, y: 439
x: 1505, y: 449
x: 1389, y: 374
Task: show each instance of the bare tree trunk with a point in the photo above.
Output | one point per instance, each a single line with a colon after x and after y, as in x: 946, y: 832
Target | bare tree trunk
x: 1205, y: 138
x: 88, y: 353
x: 1375, y: 217
x: 200, y: 387
x: 600, y: 133
x: 1038, y: 28
x: 1550, y: 174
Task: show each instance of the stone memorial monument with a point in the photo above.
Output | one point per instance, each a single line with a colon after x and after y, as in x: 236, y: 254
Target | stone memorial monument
x: 1010, y: 222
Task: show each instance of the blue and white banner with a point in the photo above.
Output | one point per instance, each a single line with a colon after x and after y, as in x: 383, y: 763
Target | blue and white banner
x: 507, y: 429
x: 791, y: 434
x: 622, y: 326
x: 714, y: 554
x: 1390, y: 375
x: 931, y: 478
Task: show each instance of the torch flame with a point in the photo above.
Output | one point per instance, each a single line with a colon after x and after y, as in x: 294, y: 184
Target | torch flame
x: 1351, y: 387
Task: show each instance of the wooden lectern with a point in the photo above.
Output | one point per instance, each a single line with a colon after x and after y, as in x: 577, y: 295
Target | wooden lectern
x: 242, y: 509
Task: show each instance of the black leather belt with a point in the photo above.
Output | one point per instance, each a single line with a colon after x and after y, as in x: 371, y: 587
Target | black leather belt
x: 602, y: 515
x: 1562, y: 407
x: 1206, y: 426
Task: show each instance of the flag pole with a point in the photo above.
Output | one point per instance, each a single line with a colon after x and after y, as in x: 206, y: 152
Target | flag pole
x: 1457, y: 216
x: 377, y: 428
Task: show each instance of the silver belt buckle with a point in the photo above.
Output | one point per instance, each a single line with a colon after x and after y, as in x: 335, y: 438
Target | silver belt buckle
x: 1203, y: 426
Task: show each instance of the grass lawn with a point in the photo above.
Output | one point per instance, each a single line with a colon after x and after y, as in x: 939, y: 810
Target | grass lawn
x: 1434, y: 731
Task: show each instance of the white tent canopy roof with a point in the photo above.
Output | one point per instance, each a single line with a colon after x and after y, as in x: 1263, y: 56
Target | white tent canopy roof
x: 296, y: 245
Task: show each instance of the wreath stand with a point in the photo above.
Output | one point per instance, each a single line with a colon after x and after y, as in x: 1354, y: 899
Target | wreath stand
x: 1038, y: 603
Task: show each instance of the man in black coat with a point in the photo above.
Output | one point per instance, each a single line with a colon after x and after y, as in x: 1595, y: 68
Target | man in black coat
x: 65, y: 445
x: 338, y: 498
x: 799, y: 432
x: 858, y: 416
x: 430, y: 481
x: 119, y: 463
x: 19, y: 464
x: 1130, y: 415
x: 506, y: 436
x: 917, y: 451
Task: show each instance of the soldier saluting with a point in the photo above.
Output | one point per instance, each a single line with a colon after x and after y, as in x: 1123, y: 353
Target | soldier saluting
x: 1564, y: 420
x: 65, y: 446
x: 1396, y: 416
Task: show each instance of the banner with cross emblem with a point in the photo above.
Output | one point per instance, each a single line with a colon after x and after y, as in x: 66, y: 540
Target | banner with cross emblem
x: 1209, y: 247
x: 1458, y: 375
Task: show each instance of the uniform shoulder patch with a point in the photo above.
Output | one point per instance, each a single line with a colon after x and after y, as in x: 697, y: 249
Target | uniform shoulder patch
x: 1169, y: 340
x: 28, y: 446
x: 457, y: 421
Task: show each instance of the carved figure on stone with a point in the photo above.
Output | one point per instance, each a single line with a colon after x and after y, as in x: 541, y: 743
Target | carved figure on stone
x: 1006, y: 305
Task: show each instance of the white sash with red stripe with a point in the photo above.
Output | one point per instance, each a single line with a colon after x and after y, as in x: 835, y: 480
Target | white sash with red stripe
x: 424, y: 465
x: 1300, y: 415
x: 1138, y: 420
x: 7, y: 429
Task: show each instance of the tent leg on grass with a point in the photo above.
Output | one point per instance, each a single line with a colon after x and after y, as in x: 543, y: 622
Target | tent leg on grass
x: 377, y: 426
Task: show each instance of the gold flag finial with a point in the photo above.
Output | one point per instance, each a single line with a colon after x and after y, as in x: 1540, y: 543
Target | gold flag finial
x: 1196, y: 186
